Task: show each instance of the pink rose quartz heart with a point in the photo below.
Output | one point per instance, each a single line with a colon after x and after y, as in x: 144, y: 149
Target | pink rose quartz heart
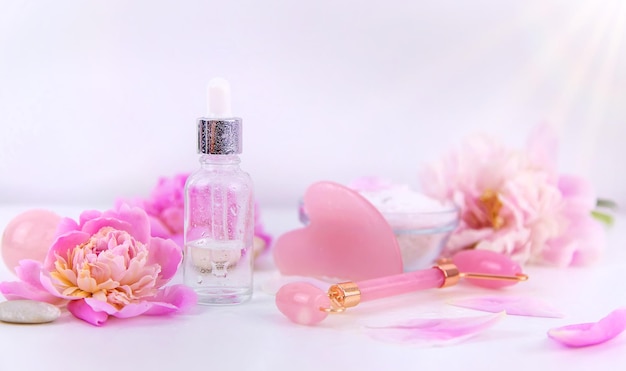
x: 346, y: 238
x: 29, y: 236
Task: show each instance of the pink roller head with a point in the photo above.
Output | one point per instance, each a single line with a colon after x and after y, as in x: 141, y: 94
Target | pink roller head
x: 302, y: 303
x: 472, y: 263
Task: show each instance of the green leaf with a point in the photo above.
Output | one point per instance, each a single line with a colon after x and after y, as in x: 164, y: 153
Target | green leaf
x: 602, y: 217
x: 605, y: 203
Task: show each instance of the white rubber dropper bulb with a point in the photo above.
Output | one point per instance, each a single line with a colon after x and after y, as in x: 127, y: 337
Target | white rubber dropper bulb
x: 218, y: 98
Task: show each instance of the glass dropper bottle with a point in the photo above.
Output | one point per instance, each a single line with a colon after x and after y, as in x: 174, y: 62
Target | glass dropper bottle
x: 219, y: 208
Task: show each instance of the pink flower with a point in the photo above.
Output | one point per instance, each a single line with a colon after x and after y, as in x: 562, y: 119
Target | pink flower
x: 166, y: 209
x: 514, y: 202
x: 106, y: 264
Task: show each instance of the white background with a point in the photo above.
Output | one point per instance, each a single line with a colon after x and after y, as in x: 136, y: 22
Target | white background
x: 99, y: 98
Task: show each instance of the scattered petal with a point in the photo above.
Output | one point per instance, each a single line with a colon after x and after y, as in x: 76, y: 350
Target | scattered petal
x: 593, y: 333
x: 516, y: 306
x: 436, y: 331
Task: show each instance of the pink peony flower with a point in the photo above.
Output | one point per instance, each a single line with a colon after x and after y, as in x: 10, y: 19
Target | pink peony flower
x: 106, y: 264
x: 166, y: 209
x: 514, y: 202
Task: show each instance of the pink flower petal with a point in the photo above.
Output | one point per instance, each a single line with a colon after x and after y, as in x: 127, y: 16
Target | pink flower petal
x: 133, y: 309
x: 20, y: 290
x: 136, y: 217
x: 29, y: 271
x: 83, y: 311
x: 586, y: 334
x: 176, y: 298
x: 100, y: 306
x: 48, y: 285
x: 436, y: 331
x: 87, y: 215
x: 158, y: 308
x: 578, y: 192
x: 94, y: 225
x: 132, y: 220
x: 517, y: 306
x: 582, y: 244
x: 179, y: 239
x: 66, y: 225
x: 591, y: 241
x: 157, y: 228
x: 30, y: 287
x: 167, y: 254
x: 173, y: 217
x: 62, y: 245
x: 129, y: 310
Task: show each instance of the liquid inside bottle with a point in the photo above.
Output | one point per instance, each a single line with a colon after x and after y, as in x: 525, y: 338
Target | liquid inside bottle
x: 219, y: 230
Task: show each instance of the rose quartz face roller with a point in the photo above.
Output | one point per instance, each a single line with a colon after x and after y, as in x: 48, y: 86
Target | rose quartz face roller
x: 306, y: 304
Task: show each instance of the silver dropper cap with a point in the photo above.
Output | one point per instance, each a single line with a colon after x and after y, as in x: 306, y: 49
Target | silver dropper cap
x: 219, y: 136
x: 219, y: 133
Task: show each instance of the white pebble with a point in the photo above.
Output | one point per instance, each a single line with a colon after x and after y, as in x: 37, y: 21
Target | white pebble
x: 28, y: 311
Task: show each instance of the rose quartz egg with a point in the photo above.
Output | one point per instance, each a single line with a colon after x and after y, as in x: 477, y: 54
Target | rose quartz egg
x: 29, y: 236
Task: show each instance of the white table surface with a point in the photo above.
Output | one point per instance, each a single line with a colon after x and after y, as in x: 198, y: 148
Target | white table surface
x: 255, y: 336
